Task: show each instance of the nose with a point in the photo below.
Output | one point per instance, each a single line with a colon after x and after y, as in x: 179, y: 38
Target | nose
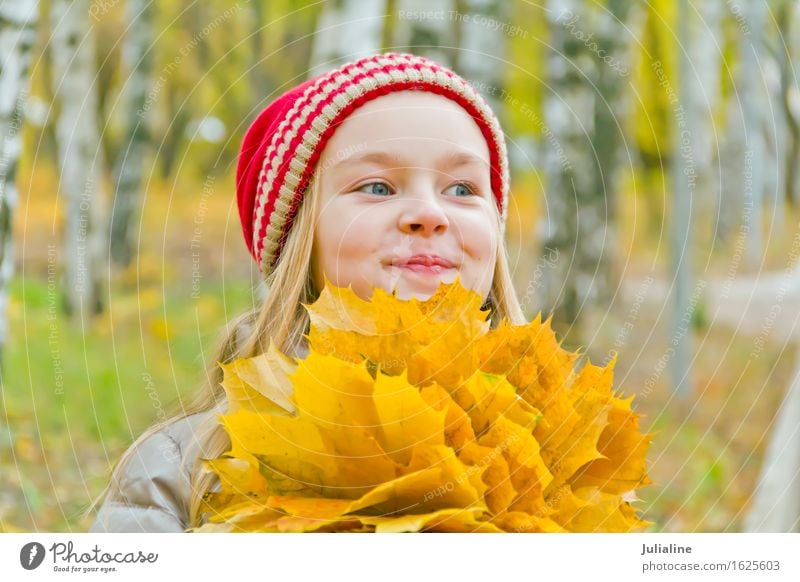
x: 423, y: 214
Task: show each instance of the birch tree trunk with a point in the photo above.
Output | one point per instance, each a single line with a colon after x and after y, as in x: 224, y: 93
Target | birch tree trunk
x: 483, y: 35
x: 347, y: 30
x: 703, y: 94
x: 786, y: 52
x: 426, y: 28
x: 683, y: 182
x: 137, y: 62
x: 587, y: 70
x: 775, y: 506
x: 17, y: 37
x: 752, y: 102
x: 177, y: 115
x: 257, y: 76
x: 80, y: 157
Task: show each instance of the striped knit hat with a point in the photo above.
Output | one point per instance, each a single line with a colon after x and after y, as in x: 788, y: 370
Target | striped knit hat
x: 282, y: 146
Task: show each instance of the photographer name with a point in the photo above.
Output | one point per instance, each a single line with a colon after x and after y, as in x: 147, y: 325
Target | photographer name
x: 664, y: 549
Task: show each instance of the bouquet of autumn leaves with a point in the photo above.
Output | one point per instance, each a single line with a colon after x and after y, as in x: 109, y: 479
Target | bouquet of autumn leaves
x: 411, y: 415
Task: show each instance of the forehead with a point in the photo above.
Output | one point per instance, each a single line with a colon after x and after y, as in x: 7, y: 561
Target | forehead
x: 414, y: 122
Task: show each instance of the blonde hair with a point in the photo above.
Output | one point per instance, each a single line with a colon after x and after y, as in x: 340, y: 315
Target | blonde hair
x: 249, y: 334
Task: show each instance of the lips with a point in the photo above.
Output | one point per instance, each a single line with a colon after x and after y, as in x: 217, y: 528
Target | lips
x: 424, y: 260
x: 424, y: 265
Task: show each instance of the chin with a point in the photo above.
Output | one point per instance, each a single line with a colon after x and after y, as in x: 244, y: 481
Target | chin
x: 408, y: 285
x: 410, y: 294
x: 408, y: 290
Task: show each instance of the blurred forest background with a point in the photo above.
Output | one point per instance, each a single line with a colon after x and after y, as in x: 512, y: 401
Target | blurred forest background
x: 654, y: 210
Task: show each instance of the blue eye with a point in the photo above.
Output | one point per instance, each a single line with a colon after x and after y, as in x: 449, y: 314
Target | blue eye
x: 463, y: 189
x: 377, y: 188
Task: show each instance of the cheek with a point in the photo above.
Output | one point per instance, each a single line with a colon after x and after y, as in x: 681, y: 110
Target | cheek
x: 478, y: 238
x: 344, y: 242
x: 479, y: 246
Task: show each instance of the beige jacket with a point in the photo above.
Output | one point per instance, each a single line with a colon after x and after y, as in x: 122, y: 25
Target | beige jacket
x: 155, y: 485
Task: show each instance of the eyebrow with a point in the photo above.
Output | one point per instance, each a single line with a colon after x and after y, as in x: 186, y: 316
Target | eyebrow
x: 454, y: 158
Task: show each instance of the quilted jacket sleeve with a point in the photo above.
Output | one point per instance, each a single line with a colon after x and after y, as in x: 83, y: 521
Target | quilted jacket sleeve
x: 155, y: 486
x: 152, y: 492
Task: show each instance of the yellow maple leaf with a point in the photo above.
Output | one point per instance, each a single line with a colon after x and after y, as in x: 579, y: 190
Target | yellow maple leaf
x: 416, y: 416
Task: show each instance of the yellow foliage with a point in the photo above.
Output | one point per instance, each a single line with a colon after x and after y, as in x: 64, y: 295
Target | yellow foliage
x: 416, y: 416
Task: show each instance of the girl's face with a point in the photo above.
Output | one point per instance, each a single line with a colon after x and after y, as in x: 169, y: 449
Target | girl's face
x: 405, y: 199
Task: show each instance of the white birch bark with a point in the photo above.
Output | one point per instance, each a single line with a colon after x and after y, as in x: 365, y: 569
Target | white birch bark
x: 588, y: 70
x: 137, y: 61
x: 427, y: 28
x: 80, y: 157
x: 347, y: 30
x: 483, y: 36
x: 753, y: 100
x: 776, y: 503
x: 17, y: 37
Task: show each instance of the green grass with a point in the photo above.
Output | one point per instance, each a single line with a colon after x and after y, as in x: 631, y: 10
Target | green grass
x: 119, y: 374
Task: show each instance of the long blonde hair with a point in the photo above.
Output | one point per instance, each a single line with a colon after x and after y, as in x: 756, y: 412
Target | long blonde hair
x: 248, y: 335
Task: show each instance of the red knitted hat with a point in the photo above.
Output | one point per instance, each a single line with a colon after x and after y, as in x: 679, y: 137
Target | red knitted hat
x: 282, y: 146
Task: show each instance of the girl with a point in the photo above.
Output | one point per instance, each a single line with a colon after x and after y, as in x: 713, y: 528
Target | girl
x: 387, y: 172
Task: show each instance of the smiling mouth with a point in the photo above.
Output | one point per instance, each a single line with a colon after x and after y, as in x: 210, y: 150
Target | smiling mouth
x: 423, y: 273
